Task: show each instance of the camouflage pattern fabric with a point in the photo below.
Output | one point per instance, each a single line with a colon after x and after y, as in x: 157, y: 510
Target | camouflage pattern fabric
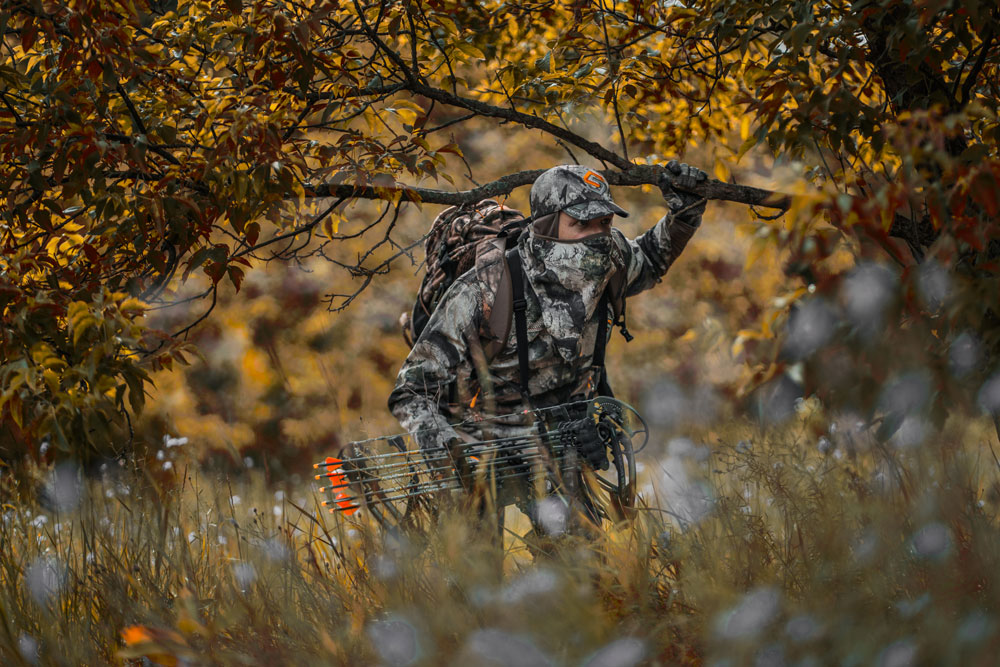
x: 568, y: 280
x: 579, y: 191
x: 446, y: 378
x: 452, y: 244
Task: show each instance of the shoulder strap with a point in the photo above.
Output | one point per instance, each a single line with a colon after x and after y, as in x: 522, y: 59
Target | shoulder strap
x: 617, y: 288
x: 499, y: 322
x: 600, y: 346
x: 511, y: 305
x: 519, y: 306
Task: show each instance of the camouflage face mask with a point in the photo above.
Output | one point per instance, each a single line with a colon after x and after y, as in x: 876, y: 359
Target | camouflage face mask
x: 569, y: 280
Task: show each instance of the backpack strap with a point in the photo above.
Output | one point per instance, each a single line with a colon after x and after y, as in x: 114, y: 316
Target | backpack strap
x: 496, y: 329
x: 616, y: 289
x: 510, y: 307
x: 601, y: 344
x: 519, y: 306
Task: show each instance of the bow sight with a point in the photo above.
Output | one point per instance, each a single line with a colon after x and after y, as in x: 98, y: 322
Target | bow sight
x: 584, y: 449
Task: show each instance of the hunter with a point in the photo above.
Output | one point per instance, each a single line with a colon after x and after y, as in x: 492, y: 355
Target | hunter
x: 573, y: 262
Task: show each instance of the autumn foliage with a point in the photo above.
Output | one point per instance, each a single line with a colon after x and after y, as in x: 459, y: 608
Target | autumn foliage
x: 211, y: 217
x: 146, y: 142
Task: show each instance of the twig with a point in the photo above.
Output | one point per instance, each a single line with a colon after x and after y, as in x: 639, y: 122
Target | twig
x: 613, y: 63
x: 293, y: 233
x: 185, y: 330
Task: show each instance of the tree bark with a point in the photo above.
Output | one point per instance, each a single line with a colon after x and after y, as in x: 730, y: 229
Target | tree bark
x: 635, y: 175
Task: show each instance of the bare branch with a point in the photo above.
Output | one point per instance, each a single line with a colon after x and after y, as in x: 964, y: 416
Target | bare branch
x: 521, y: 118
x: 308, y: 227
x: 215, y: 299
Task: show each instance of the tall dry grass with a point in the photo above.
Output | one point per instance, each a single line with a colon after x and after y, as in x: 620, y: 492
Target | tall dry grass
x: 763, y: 548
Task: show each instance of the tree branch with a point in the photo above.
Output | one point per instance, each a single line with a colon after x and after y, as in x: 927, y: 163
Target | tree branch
x: 970, y: 80
x: 527, y: 120
x: 916, y: 233
x: 635, y: 175
x: 133, y: 112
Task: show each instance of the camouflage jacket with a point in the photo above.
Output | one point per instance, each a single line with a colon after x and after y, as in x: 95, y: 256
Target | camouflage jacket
x: 448, y: 378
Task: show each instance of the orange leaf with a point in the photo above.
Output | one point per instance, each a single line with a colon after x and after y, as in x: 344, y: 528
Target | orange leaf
x: 136, y: 634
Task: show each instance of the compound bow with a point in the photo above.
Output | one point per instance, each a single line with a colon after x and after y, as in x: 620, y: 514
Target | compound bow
x: 395, y: 484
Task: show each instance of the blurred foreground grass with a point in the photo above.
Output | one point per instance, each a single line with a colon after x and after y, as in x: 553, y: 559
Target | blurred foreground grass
x: 764, y: 548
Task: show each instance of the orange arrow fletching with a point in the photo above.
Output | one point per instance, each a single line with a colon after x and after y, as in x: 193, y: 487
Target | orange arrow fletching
x: 345, y: 503
x: 329, y: 462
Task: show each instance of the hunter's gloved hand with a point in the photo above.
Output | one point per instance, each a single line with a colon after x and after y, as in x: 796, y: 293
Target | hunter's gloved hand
x: 686, y: 206
x: 588, y: 439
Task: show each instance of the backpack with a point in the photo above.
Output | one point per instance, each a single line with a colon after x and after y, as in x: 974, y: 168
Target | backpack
x: 460, y: 237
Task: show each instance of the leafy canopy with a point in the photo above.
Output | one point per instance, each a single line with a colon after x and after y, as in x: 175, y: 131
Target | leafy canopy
x: 143, y: 141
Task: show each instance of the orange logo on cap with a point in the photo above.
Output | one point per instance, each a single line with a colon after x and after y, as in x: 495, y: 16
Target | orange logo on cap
x: 594, y: 180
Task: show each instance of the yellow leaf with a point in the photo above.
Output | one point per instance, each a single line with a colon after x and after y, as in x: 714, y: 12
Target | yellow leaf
x: 407, y: 104
x: 722, y: 171
x: 758, y: 247
x: 470, y: 50
x: 448, y: 23
x: 80, y: 327
x: 105, y: 384
x: 14, y: 406
x: 750, y: 334
x: 766, y: 325
x: 40, y: 353
x: 51, y: 380
x: 300, y: 191
x: 745, y: 146
x: 331, y: 225
x: 406, y: 115
x: 16, y: 380
x: 132, y: 306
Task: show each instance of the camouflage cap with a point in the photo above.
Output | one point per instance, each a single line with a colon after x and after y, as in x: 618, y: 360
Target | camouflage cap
x: 579, y: 191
